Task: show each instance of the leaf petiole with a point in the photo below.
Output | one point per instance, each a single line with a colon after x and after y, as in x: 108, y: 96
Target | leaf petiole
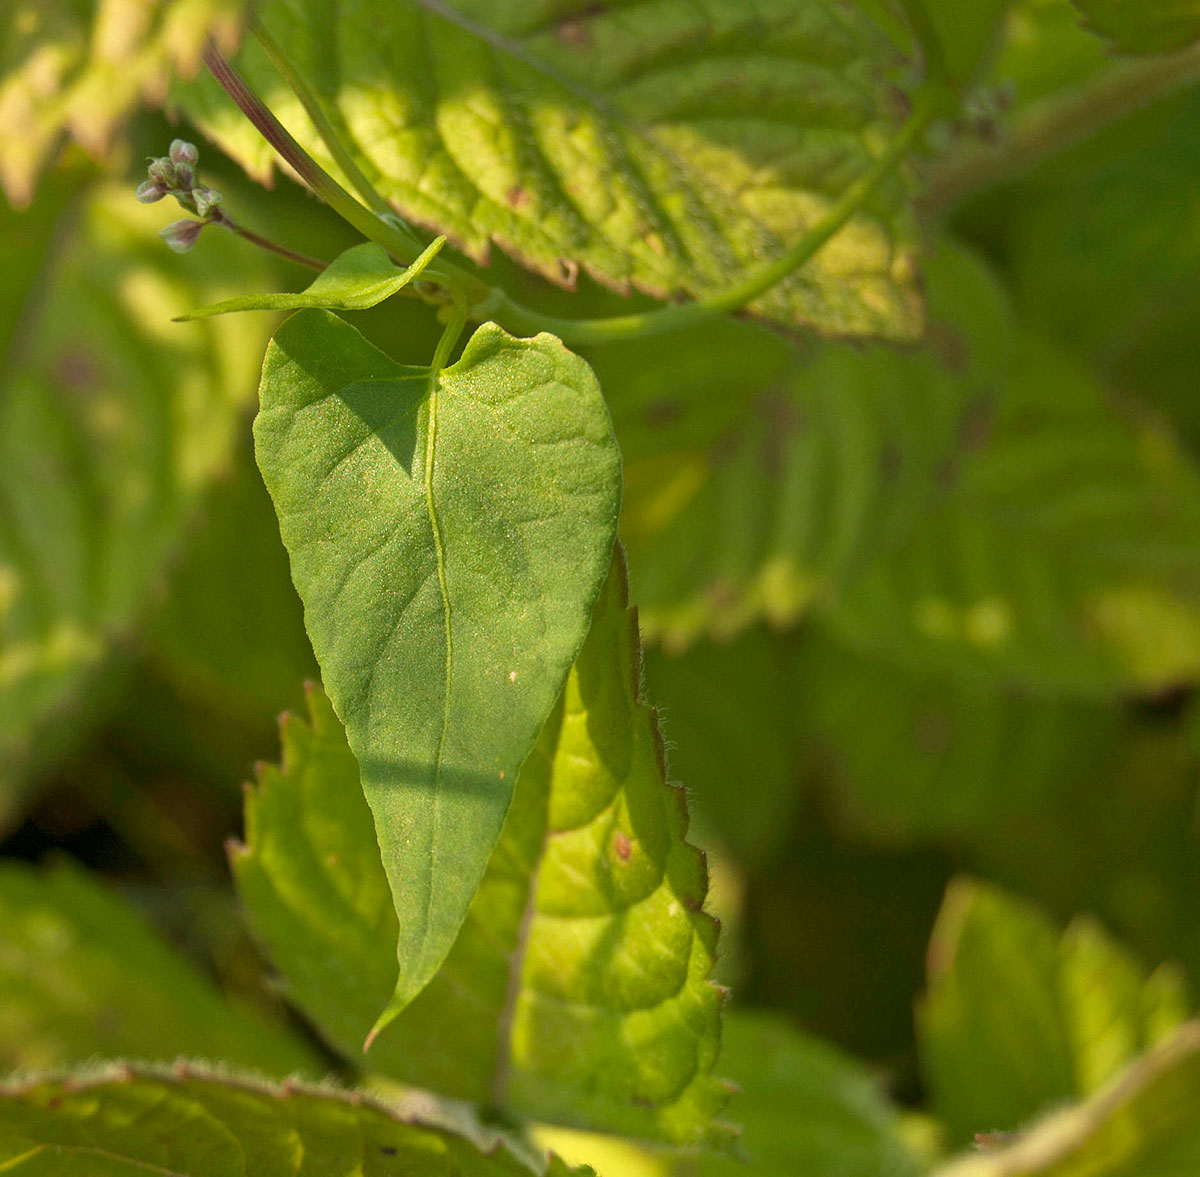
x: 484, y: 302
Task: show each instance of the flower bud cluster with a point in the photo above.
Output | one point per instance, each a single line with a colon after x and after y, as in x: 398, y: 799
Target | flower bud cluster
x: 174, y: 174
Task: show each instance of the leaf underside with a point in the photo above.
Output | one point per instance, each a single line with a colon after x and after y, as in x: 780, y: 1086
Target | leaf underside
x: 662, y: 147
x: 577, y: 990
x: 448, y: 540
x: 126, y: 1121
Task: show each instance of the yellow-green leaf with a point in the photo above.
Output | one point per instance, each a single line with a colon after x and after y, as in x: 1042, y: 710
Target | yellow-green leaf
x: 577, y: 990
x: 662, y: 147
x: 449, y: 533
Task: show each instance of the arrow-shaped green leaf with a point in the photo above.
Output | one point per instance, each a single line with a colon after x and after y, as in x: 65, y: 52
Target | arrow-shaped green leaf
x: 359, y: 278
x: 449, y: 534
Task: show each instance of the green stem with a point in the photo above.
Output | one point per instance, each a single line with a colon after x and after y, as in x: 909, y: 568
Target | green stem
x: 484, y: 302
x: 320, y: 120
x: 737, y: 296
x: 454, y: 328
x: 1059, y: 122
x: 387, y: 233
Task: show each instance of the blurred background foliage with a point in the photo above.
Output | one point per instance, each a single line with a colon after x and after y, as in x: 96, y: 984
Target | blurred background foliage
x: 916, y: 617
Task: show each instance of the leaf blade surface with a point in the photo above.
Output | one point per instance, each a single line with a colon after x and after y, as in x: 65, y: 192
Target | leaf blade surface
x: 448, y: 535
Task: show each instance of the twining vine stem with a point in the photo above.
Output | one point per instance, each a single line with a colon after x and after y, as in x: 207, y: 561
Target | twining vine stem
x: 379, y: 224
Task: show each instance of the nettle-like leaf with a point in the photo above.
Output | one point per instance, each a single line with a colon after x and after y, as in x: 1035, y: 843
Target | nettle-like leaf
x: 1065, y: 555
x: 78, y: 67
x: 1144, y: 26
x: 811, y: 463
x: 914, y: 755
x: 361, y: 277
x: 806, y: 1109
x: 81, y: 975
x: 193, y: 1122
x: 662, y: 147
x: 1018, y: 1019
x: 449, y: 534
x: 113, y: 422
x: 1143, y: 1123
x: 577, y: 990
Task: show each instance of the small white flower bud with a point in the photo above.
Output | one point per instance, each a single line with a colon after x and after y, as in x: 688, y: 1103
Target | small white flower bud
x: 206, y: 199
x: 182, y: 152
x: 180, y: 236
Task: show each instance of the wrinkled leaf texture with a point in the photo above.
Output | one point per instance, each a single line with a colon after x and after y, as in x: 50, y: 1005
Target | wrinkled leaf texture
x: 663, y: 147
x: 449, y: 534
x: 576, y: 991
x: 193, y: 1122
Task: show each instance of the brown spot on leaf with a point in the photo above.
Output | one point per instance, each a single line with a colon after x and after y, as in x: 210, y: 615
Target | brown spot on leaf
x: 622, y: 846
x: 517, y: 196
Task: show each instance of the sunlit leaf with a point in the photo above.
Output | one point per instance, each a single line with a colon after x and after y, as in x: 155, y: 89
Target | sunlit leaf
x: 194, y: 1122
x: 449, y: 534
x: 1064, y: 554
x: 662, y: 147
x: 577, y: 990
x: 81, y: 975
x: 1143, y: 1124
x: 361, y: 277
x: 787, y: 473
x: 806, y: 1109
x: 78, y: 67
x: 113, y: 422
x: 1018, y: 1019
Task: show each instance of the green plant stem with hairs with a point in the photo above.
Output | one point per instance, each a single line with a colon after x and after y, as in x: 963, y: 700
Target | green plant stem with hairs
x: 379, y: 224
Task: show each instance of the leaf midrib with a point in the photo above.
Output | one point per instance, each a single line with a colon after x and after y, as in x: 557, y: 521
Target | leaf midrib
x: 443, y: 587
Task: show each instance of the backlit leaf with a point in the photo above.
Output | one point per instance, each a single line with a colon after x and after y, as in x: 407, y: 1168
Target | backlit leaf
x: 193, y: 1122
x: 577, y: 990
x: 1018, y: 1019
x: 659, y: 146
x: 449, y: 533
x: 1143, y: 1124
x: 361, y: 277
x: 79, y: 67
x: 776, y: 480
x: 1064, y: 554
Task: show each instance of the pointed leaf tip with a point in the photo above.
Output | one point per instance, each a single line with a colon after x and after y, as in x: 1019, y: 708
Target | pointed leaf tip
x: 357, y: 279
